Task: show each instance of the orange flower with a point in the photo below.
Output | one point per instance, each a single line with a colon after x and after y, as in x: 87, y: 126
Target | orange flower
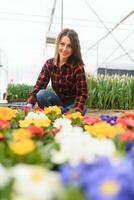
x: 7, y: 113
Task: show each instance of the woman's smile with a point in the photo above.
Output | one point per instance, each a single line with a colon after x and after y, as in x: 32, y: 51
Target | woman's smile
x: 64, y: 49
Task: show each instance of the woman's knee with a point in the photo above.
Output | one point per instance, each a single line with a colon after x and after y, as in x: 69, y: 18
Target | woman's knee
x: 42, y: 98
x: 41, y: 93
x: 47, y: 98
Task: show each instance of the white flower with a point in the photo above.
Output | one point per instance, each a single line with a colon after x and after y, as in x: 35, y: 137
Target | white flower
x: 105, y: 147
x: 61, y: 123
x: 36, y: 115
x: 76, y: 146
x: 35, y: 182
x: 4, y: 176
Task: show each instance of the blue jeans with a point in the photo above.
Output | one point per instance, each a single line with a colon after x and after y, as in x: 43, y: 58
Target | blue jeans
x: 47, y: 98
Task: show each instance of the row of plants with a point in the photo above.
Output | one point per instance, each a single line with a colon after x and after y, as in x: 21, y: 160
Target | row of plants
x: 47, y: 155
x: 110, y: 92
x: 18, y: 92
x: 104, y: 92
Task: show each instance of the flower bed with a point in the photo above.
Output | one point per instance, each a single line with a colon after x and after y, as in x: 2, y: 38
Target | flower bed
x: 45, y: 155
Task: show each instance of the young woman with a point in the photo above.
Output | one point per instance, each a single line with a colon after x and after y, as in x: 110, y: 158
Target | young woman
x: 67, y: 75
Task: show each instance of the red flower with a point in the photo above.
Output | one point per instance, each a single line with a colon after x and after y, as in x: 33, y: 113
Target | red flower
x: 128, y: 115
x: 87, y: 119
x: 4, y: 124
x: 37, y: 109
x: 38, y: 131
x: 122, y: 121
x: 126, y: 136
x: 131, y: 123
x: 25, y: 109
x: 126, y: 122
x: 66, y: 113
x: 55, y: 130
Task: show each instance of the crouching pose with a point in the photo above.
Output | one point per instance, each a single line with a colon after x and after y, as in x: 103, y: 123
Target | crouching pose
x: 67, y: 75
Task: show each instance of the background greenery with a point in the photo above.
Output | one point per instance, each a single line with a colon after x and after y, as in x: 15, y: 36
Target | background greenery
x: 18, y: 92
x: 110, y: 92
x: 104, y: 92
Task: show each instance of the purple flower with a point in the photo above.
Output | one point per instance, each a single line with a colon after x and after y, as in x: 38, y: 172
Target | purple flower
x: 72, y: 174
x: 130, y: 146
x: 109, y: 119
x: 126, y: 165
x: 78, y: 174
x: 101, y: 180
x: 109, y: 184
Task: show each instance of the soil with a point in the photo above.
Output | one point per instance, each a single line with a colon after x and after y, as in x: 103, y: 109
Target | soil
x: 96, y: 113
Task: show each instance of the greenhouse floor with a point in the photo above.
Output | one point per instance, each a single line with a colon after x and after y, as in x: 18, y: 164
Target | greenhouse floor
x: 96, y: 112
x: 13, y: 104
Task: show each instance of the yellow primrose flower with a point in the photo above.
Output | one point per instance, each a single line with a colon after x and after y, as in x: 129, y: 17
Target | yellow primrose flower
x: 75, y: 115
x: 54, y: 109
x: 21, y: 134
x: 7, y: 113
x: 25, y: 123
x: 22, y: 147
x: 41, y: 122
x: 103, y: 130
x: 37, y: 122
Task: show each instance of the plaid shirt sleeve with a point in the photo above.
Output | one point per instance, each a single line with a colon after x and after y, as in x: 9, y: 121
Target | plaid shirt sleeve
x: 81, y: 88
x: 41, y: 83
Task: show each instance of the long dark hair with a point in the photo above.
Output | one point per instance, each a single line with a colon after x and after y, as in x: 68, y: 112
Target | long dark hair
x: 76, y: 57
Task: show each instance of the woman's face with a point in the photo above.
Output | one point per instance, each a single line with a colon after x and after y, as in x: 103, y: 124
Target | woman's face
x: 65, y: 48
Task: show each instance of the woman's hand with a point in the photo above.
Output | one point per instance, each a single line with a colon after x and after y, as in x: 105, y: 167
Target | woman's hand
x: 29, y: 106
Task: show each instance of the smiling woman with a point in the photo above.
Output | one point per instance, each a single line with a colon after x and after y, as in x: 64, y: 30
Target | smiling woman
x: 64, y: 50
x: 24, y: 42
x: 67, y: 74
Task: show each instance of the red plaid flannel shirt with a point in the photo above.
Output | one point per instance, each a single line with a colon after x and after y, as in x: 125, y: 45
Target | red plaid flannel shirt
x: 68, y: 82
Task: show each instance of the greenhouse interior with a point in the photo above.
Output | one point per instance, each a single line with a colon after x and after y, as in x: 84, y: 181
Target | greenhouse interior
x: 48, y: 154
